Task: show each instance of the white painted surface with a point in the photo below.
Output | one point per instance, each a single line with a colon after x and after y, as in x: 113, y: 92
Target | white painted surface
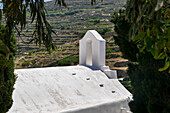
x: 72, y: 89
x: 92, y: 52
x: 92, y: 49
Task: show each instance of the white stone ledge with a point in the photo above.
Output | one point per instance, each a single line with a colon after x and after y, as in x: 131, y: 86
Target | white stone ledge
x: 112, y: 74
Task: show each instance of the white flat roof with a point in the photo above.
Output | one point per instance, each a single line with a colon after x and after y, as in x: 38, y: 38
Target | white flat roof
x: 57, y: 89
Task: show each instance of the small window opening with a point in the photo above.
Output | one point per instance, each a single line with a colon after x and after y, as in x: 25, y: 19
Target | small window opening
x: 101, y: 85
x: 113, y: 91
x: 87, y: 78
x: 73, y: 73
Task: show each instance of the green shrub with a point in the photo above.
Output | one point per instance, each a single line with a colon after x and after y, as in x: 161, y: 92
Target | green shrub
x: 95, y: 21
x: 7, y: 77
x: 71, y: 60
x: 82, y: 35
x: 104, y: 30
x: 73, y: 12
x: 32, y: 51
x: 126, y: 82
x: 26, y: 63
x: 150, y: 86
x: 62, y: 28
x: 109, y: 50
x: 100, y: 31
x: 98, y: 7
x: 33, y: 61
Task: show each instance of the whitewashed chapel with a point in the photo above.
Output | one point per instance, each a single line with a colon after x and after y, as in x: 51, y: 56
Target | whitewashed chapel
x: 90, y: 87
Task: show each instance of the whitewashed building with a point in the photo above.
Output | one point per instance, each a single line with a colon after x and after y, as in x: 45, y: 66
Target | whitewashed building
x: 90, y: 87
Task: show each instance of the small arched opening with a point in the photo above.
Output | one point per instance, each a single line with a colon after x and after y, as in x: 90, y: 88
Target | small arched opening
x: 92, y: 50
x: 89, y: 52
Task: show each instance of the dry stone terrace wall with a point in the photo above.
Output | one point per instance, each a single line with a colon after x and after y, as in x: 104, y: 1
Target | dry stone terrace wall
x: 76, y: 23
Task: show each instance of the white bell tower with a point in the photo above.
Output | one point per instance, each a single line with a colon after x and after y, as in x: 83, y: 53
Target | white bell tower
x: 92, y: 52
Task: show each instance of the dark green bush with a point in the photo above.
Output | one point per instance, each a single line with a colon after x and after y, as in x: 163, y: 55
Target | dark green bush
x: 7, y: 77
x: 32, y: 51
x: 82, y: 35
x: 73, y: 12
x: 126, y: 82
x: 95, y: 21
x: 26, y: 63
x: 98, y: 7
x: 104, y: 31
x: 100, y: 31
x: 150, y: 88
x: 128, y: 48
x: 71, y: 60
x: 109, y: 50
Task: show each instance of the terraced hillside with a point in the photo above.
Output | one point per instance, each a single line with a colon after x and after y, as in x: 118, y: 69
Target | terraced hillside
x: 70, y: 24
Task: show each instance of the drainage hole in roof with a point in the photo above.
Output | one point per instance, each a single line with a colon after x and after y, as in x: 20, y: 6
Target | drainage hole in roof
x: 113, y: 91
x: 87, y: 78
x: 73, y: 73
x: 101, y: 85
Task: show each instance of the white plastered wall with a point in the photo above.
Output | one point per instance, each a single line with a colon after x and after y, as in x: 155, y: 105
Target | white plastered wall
x: 92, y: 49
x: 72, y: 89
x: 92, y: 52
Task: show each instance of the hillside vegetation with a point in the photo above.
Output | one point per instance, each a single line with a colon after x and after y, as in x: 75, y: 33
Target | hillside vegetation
x: 70, y: 25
